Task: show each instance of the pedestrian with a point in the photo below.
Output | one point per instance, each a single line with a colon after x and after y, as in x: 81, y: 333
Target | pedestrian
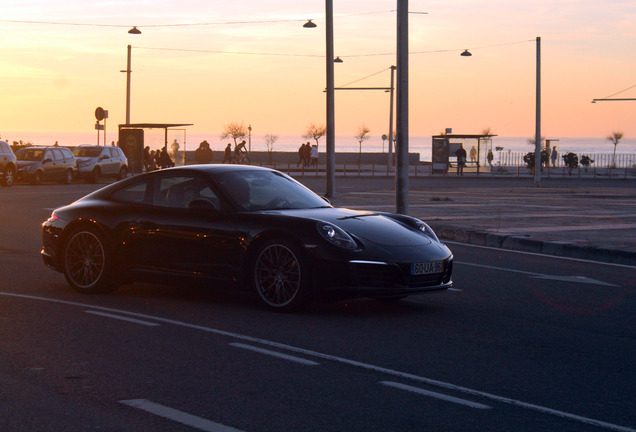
x: 490, y: 157
x: 153, y: 160
x: 147, y: 158
x: 314, y: 155
x: 553, y: 156
x: 461, y: 159
x: 227, y: 158
x: 203, y: 155
x: 301, y: 155
x: 307, y: 154
x: 473, y: 154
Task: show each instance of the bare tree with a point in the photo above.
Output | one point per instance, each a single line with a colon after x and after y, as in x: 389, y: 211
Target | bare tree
x: 363, y: 135
x: 487, y: 131
x: 235, y: 131
x: 615, y: 138
x: 269, y: 141
x: 315, y: 132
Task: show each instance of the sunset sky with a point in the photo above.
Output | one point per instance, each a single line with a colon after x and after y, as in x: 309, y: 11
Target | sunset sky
x: 211, y: 62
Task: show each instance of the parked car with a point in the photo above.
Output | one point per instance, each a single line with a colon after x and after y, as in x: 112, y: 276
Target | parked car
x: 95, y: 161
x: 39, y: 164
x: 243, y: 226
x: 8, y: 167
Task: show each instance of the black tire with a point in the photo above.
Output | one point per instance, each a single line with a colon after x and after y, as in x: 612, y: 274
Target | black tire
x: 123, y: 173
x: 88, y: 256
x: 9, y: 176
x: 94, y: 177
x: 281, y: 276
x: 68, y: 177
x: 37, y: 178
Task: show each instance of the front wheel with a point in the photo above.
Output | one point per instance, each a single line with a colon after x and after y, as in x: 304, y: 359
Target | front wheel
x: 9, y: 176
x: 281, y: 276
x: 88, y: 261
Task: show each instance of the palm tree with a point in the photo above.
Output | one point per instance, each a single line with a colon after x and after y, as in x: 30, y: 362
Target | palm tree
x: 615, y: 138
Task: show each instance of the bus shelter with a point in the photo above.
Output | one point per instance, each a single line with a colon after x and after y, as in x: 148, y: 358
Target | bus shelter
x: 444, y: 148
x: 131, y: 141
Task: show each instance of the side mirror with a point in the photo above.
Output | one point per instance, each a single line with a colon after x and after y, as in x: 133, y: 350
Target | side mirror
x: 102, y: 157
x: 47, y: 160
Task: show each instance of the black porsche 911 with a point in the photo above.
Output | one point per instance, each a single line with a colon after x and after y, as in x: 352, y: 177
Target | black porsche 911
x: 242, y: 226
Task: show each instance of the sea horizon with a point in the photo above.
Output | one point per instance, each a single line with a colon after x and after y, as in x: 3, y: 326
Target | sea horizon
x: 154, y: 138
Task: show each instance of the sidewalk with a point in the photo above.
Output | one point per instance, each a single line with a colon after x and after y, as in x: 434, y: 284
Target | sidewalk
x: 578, y: 218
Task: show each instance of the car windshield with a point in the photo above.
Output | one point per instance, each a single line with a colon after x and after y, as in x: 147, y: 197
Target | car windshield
x: 86, y: 152
x: 29, y: 154
x: 267, y: 190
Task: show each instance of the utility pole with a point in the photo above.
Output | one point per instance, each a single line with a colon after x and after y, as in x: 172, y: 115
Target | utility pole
x: 402, y: 114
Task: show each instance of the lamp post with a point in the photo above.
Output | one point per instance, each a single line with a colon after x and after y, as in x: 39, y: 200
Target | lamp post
x: 537, y: 132
x: 249, y: 138
x: 331, y: 135
x: 402, y: 109
x: 537, y: 122
x: 128, y: 71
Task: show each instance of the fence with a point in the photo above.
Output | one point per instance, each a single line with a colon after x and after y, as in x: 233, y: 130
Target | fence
x: 601, y: 160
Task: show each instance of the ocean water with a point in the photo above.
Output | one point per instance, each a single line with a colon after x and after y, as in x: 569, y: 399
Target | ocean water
x: 417, y: 144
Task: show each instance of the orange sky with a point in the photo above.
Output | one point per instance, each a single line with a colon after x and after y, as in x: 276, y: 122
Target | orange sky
x: 253, y: 62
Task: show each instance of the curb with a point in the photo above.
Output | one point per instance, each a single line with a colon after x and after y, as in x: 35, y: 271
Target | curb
x: 525, y: 244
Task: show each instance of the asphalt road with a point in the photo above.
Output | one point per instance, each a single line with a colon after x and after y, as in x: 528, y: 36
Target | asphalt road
x: 524, y: 342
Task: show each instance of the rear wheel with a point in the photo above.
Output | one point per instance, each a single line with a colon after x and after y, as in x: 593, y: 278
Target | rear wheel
x: 68, y: 177
x: 88, y: 261
x: 281, y: 276
x: 123, y: 173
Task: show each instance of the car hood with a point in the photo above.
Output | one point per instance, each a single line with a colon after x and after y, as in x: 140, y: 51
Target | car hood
x: 373, y: 227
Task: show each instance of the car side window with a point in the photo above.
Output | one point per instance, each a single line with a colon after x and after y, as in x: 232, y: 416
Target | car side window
x: 66, y: 153
x: 113, y: 152
x: 179, y: 191
x: 57, y: 154
x: 135, y: 193
x: 47, y: 155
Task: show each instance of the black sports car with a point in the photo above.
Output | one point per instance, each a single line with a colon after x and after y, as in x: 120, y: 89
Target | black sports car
x: 249, y: 227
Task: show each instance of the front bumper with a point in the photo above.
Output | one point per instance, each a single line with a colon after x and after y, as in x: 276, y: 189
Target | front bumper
x: 379, y: 279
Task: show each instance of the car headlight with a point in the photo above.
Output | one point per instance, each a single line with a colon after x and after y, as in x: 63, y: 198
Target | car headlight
x: 336, y: 235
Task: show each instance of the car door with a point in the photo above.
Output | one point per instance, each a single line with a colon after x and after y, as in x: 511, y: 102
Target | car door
x: 50, y: 167
x: 107, y: 162
x: 202, y: 240
x: 167, y: 236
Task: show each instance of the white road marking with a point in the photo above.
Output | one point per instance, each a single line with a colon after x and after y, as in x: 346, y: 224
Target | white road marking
x: 577, y: 279
x: 554, y: 257
x: 276, y: 354
x: 435, y: 395
x: 354, y: 363
x: 136, y: 321
x: 178, y: 416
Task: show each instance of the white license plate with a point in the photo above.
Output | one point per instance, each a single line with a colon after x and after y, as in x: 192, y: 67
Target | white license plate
x: 426, y: 268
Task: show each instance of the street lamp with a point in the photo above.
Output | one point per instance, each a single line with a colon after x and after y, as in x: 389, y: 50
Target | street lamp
x: 128, y: 71
x: 330, y: 135
x: 537, y: 131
